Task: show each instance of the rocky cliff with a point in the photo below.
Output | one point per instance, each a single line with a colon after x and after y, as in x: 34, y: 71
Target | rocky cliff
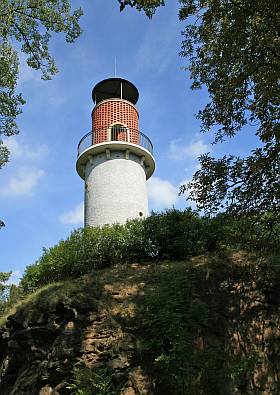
x: 207, y: 326
x: 71, y: 324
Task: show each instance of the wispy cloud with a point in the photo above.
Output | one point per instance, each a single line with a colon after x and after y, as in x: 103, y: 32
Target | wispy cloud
x: 26, y: 73
x: 22, y: 184
x: 31, y: 77
x: 74, y: 216
x: 162, y: 193
x: 15, y: 277
x: 21, y: 150
x: 179, y: 150
x: 157, y: 51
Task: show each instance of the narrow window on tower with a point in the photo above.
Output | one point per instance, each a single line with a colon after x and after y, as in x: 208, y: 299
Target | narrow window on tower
x: 118, y: 132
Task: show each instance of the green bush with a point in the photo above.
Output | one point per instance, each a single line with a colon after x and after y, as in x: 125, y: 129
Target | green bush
x: 86, y: 250
x: 173, y: 235
x: 254, y: 233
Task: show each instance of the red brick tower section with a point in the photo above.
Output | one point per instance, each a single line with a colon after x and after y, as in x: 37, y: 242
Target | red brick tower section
x: 115, y: 116
x: 115, y: 112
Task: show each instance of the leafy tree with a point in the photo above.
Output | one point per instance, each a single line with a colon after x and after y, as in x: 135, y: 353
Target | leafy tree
x: 233, y: 49
x: 4, y: 289
x: 28, y: 24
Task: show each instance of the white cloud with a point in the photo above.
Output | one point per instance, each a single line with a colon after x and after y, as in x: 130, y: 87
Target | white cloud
x: 15, y: 277
x: 26, y: 73
x: 178, y: 150
x: 184, y: 182
x: 73, y: 217
x: 20, y: 150
x: 22, y: 184
x: 162, y: 193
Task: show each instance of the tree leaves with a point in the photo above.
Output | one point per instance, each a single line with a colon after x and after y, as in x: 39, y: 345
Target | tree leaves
x: 30, y: 23
x: 4, y: 288
x: 148, y: 6
x: 10, y: 102
x: 234, y: 50
x: 232, y: 47
x: 248, y: 186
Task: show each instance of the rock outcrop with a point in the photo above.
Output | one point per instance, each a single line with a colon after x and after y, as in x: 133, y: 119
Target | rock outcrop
x: 40, y: 348
x: 209, y: 325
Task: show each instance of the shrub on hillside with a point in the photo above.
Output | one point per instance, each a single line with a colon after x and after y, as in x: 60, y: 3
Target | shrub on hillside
x: 252, y: 232
x: 85, y: 250
x: 173, y: 235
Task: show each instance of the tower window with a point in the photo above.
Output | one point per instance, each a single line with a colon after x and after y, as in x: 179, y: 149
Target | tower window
x: 119, y: 132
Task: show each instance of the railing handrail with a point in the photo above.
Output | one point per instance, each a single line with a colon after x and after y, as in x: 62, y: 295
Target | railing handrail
x: 144, y: 140
x: 83, y: 138
x: 147, y: 138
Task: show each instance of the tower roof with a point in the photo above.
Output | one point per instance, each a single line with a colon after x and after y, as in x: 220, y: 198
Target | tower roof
x: 115, y: 88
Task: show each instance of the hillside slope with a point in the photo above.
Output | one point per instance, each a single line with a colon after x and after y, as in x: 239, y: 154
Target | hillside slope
x: 209, y: 325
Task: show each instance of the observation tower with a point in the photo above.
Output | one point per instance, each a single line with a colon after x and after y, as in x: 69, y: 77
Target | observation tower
x: 115, y: 159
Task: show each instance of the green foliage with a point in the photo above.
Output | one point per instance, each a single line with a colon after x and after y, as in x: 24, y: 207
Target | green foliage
x: 234, y: 50
x: 4, y: 290
x: 4, y: 155
x: 162, y: 325
x: 255, y: 233
x: 10, y: 102
x: 148, y: 6
x: 30, y: 23
x: 87, y: 381
x: 251, y: 185
x: 27, y: 24
x: 15, y: 294
x: 172, y: 235
x: 175, y: 234
x: 10, y: 294
x: 86, y: 250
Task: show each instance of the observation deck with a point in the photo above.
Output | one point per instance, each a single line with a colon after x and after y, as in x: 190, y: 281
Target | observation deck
x: 118, y: 138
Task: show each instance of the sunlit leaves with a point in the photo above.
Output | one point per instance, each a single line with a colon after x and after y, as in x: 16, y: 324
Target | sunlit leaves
x: 30, y: 23
x: 4, y: 288
x: 233, y: 47
x: 241, y: 186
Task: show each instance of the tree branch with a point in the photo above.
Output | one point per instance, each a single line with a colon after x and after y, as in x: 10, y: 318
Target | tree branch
x: 26, y: 40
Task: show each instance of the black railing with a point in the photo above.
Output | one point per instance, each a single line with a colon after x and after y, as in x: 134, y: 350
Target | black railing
x: 122, y: 134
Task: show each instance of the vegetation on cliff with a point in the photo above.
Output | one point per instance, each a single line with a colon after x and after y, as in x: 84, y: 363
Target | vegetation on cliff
x: 160, y: 306
x: 172, y: 235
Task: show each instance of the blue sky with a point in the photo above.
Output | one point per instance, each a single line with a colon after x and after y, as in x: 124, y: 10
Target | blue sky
x: 41, y: 195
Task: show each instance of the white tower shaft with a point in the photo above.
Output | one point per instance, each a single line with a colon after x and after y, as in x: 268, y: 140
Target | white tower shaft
x: 115, y: 189
x: 115, y: 159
